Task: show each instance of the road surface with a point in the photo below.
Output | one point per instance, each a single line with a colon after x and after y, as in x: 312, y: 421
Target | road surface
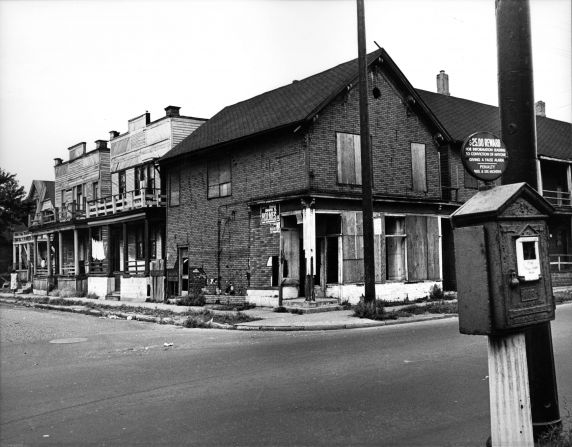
x: 70, y: 379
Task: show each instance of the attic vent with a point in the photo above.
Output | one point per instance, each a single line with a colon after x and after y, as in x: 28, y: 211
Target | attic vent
x: 376, y: 93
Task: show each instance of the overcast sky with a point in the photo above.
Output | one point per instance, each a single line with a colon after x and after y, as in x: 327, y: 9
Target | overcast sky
x: 71, y: 71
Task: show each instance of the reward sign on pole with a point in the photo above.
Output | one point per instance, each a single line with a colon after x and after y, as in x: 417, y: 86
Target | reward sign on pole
x: 484, y: 156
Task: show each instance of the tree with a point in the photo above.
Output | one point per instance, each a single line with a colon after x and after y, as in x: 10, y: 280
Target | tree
x: 13, y: 208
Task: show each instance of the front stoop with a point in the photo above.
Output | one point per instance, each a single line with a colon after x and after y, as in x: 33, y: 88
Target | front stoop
x: 300, y: 305
x: 115, y: 296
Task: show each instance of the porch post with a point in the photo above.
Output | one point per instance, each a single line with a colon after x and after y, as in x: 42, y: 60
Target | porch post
x: 35, y: 262
x: 49, y: 255
x: 60, y: 252
x: 13, y: 254
x: 569, y: 183
x: 125, y: 250
x: 19, y: 256
x: 146, y: 245
x: 76, y: 251
x: 110, y: 255
x: 88, y: 251
x: 309, y: 232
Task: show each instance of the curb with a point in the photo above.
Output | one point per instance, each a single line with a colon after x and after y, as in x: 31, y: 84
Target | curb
x: 334, y: 327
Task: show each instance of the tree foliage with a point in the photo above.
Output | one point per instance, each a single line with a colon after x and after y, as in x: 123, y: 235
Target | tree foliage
x: 13, y: 208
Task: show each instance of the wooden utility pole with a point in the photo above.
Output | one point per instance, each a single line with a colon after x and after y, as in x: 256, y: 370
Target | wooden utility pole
x: 367, y: 201
x: 518, y: 124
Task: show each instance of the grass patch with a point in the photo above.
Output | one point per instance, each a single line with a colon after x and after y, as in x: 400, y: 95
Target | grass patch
x: 361, y: 310
x: 561, y: 436
x: 233, y: 307
x: 205, y: 318
x: 192, y: 300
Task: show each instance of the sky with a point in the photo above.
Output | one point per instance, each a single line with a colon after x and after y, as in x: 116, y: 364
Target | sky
x: 73, y: 70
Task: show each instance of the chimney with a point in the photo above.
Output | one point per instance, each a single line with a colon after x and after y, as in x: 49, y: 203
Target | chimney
x: 443, y: 83
x: 100, y: 144
x: 57, y: 161
x: 540, y: 108
x: 113, y: 134
x: 172, y: 111
x: 76, y: 151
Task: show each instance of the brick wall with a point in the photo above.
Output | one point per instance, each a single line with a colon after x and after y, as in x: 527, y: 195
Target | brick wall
x: 393, y: 129
x: 263, y: 167
x: 278, y: 165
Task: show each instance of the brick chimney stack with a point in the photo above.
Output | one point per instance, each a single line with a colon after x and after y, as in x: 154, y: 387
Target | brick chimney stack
x: 100, y: 144
x: 113, y: 134
x: 172, y: 111
x: 443, y: 83
x: 540, y: 108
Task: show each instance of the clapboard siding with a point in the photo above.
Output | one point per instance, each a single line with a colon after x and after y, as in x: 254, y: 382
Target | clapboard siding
x: 89, y: 168
x: 183, y: 127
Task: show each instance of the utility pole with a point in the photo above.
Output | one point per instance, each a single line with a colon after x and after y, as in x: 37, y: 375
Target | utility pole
x: 518, y: 124
x: 367, y: 201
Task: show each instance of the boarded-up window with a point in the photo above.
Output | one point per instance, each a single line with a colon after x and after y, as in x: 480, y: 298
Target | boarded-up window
x: 418, y: 170
x: 174, y: 187
x: 219, y: 178
x: 349, y: 158
x: 395, y: 248
x: 352, y: 237
x: 422, y: 247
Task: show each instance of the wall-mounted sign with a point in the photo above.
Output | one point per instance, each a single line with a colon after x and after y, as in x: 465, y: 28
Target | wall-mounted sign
x: 269, y: 214
x: 484, y: 156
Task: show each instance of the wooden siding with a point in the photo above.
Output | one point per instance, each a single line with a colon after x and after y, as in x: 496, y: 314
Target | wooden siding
x: 92, y: 167
x: 182, y: 127
x: 422, y: 247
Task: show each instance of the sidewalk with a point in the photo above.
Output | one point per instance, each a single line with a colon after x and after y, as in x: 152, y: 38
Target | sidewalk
x: 267, y: 319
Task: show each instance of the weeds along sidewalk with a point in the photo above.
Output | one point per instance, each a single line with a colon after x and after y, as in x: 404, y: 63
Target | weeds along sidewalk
x: 186, y: 316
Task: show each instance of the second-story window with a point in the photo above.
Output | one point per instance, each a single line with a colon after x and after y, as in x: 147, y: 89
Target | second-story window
x: 418, y: 168
x: 95, y: 190
x: 349, y: 158
x: 122, y: 183
x: 174, y: 187
x: 79, y: 197
x: 219, y: 178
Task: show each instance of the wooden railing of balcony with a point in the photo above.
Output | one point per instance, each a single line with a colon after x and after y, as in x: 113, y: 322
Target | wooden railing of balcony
x: 560, y: 263
x: 557, y: 198
x: 124, y: 202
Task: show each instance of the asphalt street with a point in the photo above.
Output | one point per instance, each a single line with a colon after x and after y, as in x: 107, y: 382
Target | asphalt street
x: 70, y: 379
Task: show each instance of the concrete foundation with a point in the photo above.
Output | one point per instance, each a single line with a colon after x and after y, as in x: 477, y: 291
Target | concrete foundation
x: 100, y: 285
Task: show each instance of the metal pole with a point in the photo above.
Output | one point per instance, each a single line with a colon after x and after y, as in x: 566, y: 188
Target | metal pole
x: 518, y: 124
x: 367, y: 201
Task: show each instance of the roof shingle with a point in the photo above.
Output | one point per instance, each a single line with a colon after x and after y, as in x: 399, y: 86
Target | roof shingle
x: 462, y: 117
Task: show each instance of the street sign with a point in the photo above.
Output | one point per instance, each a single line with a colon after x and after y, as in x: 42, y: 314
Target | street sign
x: 484, y: 156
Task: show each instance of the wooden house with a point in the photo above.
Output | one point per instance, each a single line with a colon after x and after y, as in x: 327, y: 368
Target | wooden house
x: 104, y: 233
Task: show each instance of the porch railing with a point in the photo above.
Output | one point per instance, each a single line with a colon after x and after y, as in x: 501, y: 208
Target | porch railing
x: 64, y: 214
x: 557, y: 198
x: 136, y: 266
x: 560, y: 263
x: 126, y: 201
x: 22, y: 237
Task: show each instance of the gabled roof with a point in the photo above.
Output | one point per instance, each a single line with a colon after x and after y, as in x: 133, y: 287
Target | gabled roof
x: 462, y: 117
x: 46, y: 189
x: 289, y: 105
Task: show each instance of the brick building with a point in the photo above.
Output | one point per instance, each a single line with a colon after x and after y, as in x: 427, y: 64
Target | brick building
x: 269, y: 189
x: 462, y: 117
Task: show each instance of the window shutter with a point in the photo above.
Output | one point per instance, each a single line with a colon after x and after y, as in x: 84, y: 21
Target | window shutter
x: 349, y: 158
x: 418, y: 171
